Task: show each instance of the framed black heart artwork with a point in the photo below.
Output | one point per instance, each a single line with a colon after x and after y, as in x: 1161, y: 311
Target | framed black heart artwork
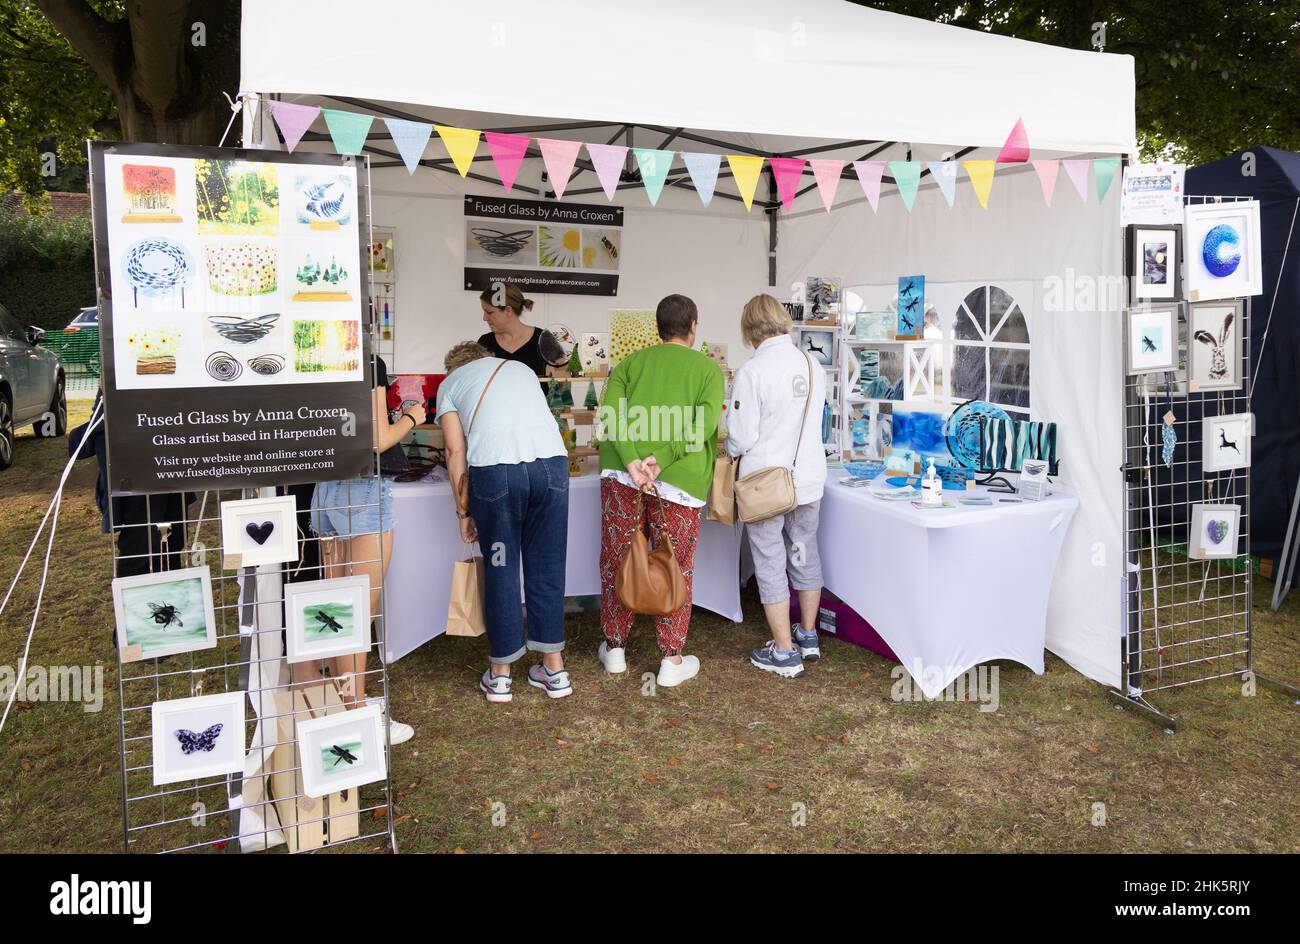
x: 259, y: 531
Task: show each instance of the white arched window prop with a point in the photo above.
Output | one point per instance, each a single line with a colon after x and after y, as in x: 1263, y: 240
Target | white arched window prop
x: 990, y: 351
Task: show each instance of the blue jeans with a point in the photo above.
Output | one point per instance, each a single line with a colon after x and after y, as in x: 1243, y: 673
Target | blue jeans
x: 521, y: 511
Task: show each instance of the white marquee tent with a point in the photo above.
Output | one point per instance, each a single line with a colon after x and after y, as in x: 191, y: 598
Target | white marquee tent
x: 776, y: 77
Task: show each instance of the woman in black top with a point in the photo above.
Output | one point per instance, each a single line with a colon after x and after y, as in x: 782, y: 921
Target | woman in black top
x: 509, y: 338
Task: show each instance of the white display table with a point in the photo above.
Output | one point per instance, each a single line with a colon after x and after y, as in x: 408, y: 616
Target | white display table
x: 947, y: 588
x: 426, y: 542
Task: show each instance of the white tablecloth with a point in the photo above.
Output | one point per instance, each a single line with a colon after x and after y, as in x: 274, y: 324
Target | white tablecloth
x: 946, y: 588
x: 426, y: 541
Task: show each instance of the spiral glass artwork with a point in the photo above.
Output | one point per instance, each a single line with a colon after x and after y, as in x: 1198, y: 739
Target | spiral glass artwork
x: 221, y: 366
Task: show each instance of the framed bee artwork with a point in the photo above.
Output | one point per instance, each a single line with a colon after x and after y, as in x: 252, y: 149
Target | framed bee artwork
x: 342, y: 750
x: 327, y: 618
x: 165, y: 613
x: 200, y: 737
x: 1214, y: 353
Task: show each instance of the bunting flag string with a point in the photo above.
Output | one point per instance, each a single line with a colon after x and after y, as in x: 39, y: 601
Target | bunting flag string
x: 786, y: 171
x: 607, y: 160
x: 827, y: 174
x: 945, y: 175
x: 907, y: 175
x: 745, y: 169
x: 350, y: 130
x: 410, y: 137
x: 1077, y: 171
x: 1104, y: 169
x: 869, y: 175
x: 508, y: 151
x: 461, y: 143
x: 654, y: 169
x: 981, y: 179
x: 559, y: 158
x: 293, y: 121
x: 703, y: 169
x: 1047, y: 171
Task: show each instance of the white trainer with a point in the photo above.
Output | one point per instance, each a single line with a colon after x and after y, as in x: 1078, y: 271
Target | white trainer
x: 398, y: 733
x: 672, y: 674
x: 614, y: 660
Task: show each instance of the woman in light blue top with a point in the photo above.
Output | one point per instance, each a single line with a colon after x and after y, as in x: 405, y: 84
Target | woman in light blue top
x: 499, y: 430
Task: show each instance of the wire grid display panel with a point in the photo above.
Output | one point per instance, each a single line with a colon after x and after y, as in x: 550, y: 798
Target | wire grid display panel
x: 1188, y: 620
x: 206, y: 814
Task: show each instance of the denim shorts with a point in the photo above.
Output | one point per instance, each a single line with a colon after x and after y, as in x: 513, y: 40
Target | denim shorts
x: 352, y: 507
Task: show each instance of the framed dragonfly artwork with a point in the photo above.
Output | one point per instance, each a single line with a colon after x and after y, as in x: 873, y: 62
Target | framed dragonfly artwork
x: 327, y: 618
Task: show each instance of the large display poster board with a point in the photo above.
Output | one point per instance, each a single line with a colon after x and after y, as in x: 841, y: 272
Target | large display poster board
x: 560, y: 248
x: 233, y: 291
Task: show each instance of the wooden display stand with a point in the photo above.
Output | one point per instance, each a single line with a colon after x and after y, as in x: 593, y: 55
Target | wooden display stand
x: 308, y: 823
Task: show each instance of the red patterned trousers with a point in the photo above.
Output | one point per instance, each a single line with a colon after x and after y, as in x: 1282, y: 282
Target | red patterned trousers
x: 618, y: 522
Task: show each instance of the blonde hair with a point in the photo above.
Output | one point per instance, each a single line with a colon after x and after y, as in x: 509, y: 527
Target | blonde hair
x: 764, y: 317
x: 464, y: 353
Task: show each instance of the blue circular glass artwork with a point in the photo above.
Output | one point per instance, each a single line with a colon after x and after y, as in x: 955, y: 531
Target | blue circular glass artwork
x: 962, y: 430
x: 156, y: 266
x: 1221, y: 251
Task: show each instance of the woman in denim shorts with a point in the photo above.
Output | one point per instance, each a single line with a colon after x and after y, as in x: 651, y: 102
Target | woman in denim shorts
x: 354, y: 518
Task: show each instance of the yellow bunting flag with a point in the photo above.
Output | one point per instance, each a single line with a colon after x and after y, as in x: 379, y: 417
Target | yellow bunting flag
x: 981, y: 178
x: 745, y: 168
x: 461, y: 144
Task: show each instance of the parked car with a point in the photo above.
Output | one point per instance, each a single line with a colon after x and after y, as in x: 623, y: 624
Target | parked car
x: 80, y: 342
x: 32, y: 385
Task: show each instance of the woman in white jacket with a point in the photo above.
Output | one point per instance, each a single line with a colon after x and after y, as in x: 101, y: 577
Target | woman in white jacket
x: 775, y: 419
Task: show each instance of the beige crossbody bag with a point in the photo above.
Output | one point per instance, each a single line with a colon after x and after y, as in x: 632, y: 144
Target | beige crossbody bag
x: 770, y: 492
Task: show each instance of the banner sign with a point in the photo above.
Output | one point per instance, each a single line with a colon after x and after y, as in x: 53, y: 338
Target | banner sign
x: 233, y: 318
x: 543, y: 247
x: 1152, y: 193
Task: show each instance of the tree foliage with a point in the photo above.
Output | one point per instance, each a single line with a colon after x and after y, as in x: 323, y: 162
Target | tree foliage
x: 1213, y: 76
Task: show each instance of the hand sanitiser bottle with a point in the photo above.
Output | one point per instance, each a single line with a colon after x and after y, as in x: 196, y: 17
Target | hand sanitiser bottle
x: 932, y: 487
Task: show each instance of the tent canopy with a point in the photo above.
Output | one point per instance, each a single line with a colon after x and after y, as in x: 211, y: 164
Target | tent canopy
x: 812, y: 68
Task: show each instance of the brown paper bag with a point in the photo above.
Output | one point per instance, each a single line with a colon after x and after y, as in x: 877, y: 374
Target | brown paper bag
x: 465, y: 609
x: 722, y: 494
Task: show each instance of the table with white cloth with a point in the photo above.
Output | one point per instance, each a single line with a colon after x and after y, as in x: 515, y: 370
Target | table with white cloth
x: 947, y: 588
x: 426, y: 543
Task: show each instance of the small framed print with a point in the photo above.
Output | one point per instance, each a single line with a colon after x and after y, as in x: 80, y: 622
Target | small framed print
x: 342, y: 750
x: 164, y: 613
x: 327, y: 618
x: 1214, y: 349
x: 1154, y: 270
x: 257, y: 531
x: 1224, y: 257
x: 1214, y: 531
x: 820, y: 343
x: 1152, y: 338
x: 1225, y: 442
x: 198, y: 737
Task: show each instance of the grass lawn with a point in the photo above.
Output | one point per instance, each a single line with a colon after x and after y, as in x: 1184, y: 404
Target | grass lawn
x: 729, y: 761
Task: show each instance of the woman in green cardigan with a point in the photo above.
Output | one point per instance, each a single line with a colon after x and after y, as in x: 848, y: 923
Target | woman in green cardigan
x: 659, y: 432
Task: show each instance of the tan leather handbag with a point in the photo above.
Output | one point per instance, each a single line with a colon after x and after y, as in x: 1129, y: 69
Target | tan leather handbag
x: 462, y: 487
x: 647, y: 581
x: 770, y: 492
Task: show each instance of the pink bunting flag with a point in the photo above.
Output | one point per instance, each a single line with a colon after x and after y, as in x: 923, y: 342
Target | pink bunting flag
x: 1077, y: 171
x: 827, y: 174
x: 1016, y: 150
x: 869, y: 175
x: 508, y: 151
x: 293, y: 121
x: 559, y: 157
x: 787, y: 171
x: 1047, y: 171
x: 608, y: 160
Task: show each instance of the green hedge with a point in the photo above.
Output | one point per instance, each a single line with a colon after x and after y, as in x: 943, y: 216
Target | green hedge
x: 47, y: 271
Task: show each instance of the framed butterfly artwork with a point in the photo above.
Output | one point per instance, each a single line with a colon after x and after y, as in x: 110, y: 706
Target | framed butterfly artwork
x: 257, y: 531
x: 342, y: 750
x: 198, y: 737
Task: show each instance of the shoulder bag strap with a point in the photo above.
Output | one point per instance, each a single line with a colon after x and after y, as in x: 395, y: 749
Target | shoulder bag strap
x: 481, y: 396
x: 806, y: 405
